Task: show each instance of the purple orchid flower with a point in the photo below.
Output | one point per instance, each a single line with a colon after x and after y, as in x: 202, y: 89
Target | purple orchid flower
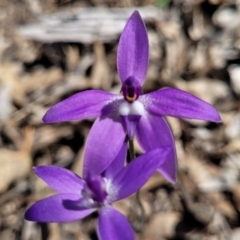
x: 132, y: 112
x: 79, y: 197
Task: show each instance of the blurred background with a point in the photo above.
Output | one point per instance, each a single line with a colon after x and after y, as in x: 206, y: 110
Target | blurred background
x: 51, y: 49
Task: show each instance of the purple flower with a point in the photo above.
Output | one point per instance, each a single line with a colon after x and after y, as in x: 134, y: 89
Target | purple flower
x: 131, y: 112
x: 79, y: 197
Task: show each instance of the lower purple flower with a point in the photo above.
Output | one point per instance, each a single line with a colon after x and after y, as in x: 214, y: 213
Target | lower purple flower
x: 79, y: 197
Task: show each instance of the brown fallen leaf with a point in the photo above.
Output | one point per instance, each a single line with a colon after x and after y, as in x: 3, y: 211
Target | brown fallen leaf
x: 16, y: 164
x: 162, y: 224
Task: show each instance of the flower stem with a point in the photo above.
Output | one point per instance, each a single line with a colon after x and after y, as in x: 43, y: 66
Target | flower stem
x: 132, y: 156
x: 131, y: 149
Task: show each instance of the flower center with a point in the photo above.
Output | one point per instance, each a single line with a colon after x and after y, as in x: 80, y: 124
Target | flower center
x: 131, y: 89
x: 131, y: 109
x: 95, y: 189
x: 131, y: 114
x: 135, y: 108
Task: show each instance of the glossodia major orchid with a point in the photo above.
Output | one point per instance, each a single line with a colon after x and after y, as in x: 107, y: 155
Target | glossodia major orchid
x: 79, y: 197
x: 132, y: 112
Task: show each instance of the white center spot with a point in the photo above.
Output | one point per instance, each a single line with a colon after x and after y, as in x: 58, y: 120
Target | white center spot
x: 135, y: 108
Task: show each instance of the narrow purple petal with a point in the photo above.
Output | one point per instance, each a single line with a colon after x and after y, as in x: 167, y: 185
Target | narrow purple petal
x: 87, y: 104
x: 154, y: 132
x: 117, y: 164
x: 103, y: 144
x: 52, y: 209
x: 113, y: 225
x: 177, y: 103
x: 130, y: 122
x: 132, y: 56
x: 60, y: 179
x: 132, y: 177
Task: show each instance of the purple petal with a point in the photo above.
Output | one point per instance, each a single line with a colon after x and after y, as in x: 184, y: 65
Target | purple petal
x: 132, y: 56
x: 113, y: 225
x: 154, y: 132
x: 87, y: 104
x: 103, y: 144
x: 60, y: 179
x: 117, y: 164
x: 177, y: 103
x: 130, y: 122
x: 132, y: 177
x: 52, y: 209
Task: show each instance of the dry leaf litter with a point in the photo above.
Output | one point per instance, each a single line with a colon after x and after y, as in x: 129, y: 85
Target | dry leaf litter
x: 52, y: 49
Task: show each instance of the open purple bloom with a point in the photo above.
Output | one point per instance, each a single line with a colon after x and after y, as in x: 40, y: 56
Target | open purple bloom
x: 132, y: 113
x: 79, y: 197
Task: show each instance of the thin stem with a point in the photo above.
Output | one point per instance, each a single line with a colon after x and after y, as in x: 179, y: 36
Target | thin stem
x: 132, y: 156
x: 131, y: 149
x: 140, y: 205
